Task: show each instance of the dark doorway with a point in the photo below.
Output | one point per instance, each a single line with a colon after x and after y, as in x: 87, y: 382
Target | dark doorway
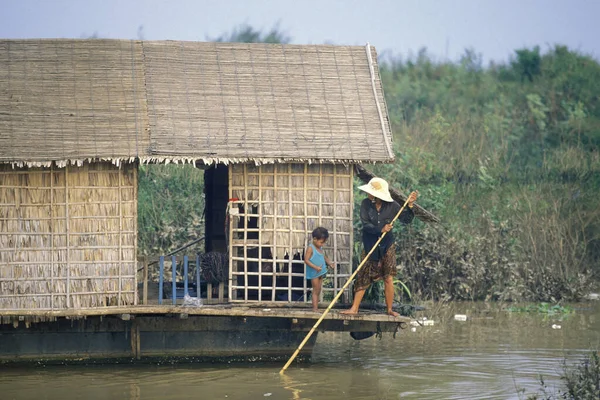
x: 216, y: 189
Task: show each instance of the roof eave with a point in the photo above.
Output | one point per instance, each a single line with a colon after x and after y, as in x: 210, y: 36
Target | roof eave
x: 188, y: 160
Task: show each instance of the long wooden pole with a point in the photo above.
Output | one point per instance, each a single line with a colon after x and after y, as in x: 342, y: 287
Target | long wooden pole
x: 337, y: 296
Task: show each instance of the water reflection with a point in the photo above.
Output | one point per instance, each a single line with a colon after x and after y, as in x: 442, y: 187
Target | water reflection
x: 492, y: 355
x: 294, y: 387
x: 134, y: 391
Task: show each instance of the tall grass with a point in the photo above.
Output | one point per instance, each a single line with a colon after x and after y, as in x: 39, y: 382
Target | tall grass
x: 511, y: 165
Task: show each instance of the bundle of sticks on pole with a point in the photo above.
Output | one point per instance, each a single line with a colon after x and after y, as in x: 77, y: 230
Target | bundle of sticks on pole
x: 419, y: 211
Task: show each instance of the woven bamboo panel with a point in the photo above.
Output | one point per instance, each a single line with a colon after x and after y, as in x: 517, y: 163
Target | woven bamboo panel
x: 278, y: 207
x: 70, y: 100
x: 67, y: 237
x: 73, y: 100
x: 238, y: 102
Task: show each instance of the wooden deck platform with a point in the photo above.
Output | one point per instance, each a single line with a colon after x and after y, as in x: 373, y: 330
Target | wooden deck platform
x: 223, y: 310
x: 148, y: 332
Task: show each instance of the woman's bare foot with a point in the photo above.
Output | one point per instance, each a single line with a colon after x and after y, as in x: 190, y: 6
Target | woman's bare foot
x: 393, y: 313
x: 349, y: 311
x: 315, y: 310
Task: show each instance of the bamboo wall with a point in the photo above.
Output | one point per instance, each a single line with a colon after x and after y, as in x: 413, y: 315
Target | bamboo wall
x: 271, y: 224
x: 68, y: 236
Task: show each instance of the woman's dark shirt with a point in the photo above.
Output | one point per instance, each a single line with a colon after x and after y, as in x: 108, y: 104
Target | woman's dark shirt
x: 373, y: 221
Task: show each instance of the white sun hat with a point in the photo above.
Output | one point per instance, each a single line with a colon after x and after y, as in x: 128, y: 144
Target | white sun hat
x: 378, y: 188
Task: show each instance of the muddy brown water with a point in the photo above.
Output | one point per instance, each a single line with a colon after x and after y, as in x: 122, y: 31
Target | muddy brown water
x: 495, y: 354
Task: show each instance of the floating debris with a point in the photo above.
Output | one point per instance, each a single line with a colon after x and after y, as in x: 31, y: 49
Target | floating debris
x: 189, y: 301
x: 460, y: 317
x: 422, y: 322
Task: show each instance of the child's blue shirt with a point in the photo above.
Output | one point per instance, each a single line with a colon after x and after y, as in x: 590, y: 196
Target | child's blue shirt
x: 317, y: 259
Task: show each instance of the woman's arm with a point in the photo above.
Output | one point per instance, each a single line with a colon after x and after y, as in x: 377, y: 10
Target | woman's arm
x: 307, y: 256
x: 407, y: 214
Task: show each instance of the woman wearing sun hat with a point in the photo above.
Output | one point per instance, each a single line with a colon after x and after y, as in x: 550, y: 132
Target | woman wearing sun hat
x: 376, y: 214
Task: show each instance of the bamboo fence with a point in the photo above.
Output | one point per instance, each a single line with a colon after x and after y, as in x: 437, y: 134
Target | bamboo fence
x: 276, y: 210
x: 68, y: 237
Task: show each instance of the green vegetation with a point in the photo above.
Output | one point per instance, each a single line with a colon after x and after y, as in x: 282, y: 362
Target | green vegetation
x: 506, y: 155
x: 580, y: 381
x: 170, y: 207
x: 542, y: 308
x: 247, y: 34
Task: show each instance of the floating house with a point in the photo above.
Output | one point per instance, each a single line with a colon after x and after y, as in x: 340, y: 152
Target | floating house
x: 278, y: 130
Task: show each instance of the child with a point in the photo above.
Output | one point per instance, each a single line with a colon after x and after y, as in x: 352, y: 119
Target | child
x: 316, y: 264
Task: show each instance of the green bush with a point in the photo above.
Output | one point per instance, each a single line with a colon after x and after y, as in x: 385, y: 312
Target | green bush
x: 170, y: 207
x: 579, y: 382
x: 507, y: 156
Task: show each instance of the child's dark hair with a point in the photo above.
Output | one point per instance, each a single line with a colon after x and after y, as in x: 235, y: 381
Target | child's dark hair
x: 320, y: 233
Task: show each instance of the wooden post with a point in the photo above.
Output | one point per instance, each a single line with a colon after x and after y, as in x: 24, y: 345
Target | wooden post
x: 346, y: 296
x: 290, y: 231
x: 221, y: 292
x: 185, y: 276
x: 198, y: 291
x: 259, y: 242
x: 306, y: 230
x: 335, y: 236
x: 67, y: 230
x: 145, y: 282
x: 120, y: 258
x: 135, y: 339
x: 138, y: 340
x: 135, y: 225
x: 245, y: 228
x: 320, y: 214
x: 229, y: 229
x: 320, y: 195
x: 52, y: 228
x: 274, y: 252
x: 161, y: 271
x: 174, y: 279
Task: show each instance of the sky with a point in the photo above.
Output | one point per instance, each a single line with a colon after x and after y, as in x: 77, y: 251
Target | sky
x: 493, y: 28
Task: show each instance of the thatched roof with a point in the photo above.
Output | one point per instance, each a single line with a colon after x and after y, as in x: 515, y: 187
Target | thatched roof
x: 73, y: 100
x: 68, y: 100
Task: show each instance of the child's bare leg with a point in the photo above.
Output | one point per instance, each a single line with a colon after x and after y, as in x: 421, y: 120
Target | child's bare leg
x: 358, y: 295
x: 316, y: 292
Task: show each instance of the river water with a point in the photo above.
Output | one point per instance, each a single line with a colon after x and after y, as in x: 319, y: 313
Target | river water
x: 495, y: 354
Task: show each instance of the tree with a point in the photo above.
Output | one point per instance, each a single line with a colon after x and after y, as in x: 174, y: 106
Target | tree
x: 528, y: 63
x: 247, y: 34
